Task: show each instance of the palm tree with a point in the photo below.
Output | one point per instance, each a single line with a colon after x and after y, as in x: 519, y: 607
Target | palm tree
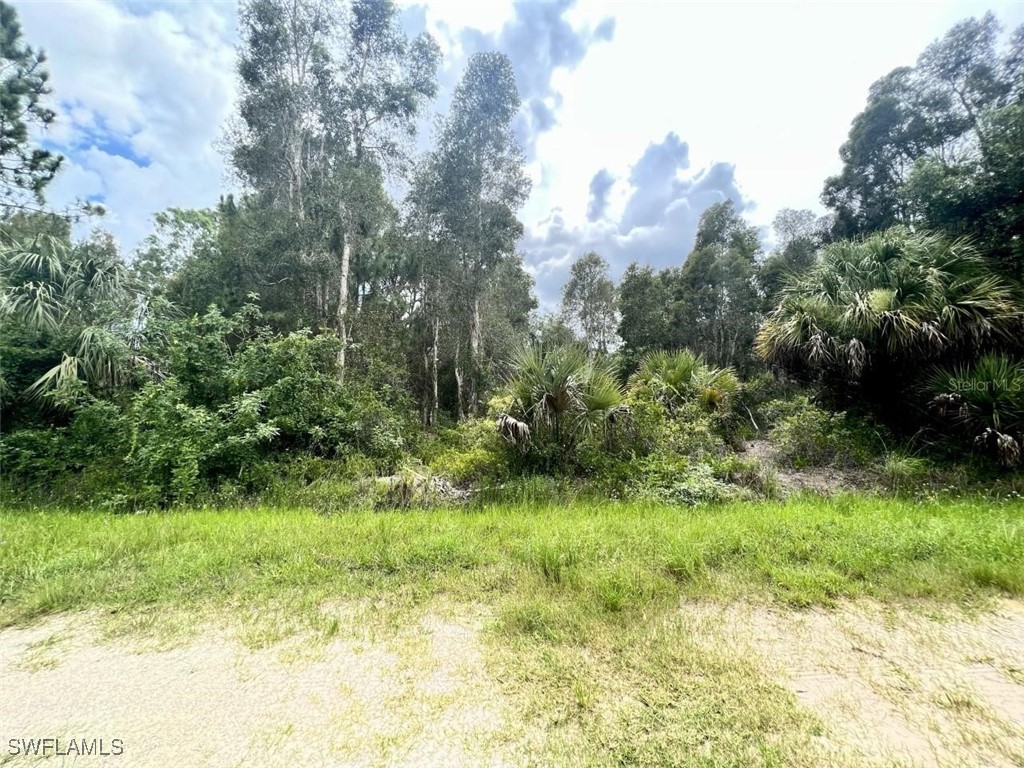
x: 559, y: 394
x: 673, y: 378
x: 76, y: 297
x: 894, y: 299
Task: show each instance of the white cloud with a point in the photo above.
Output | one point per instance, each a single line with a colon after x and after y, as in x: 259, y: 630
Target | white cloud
x: 765, y: 91
x: 142, y: 93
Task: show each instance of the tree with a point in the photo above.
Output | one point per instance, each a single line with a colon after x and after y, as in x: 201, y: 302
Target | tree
x: 326, y: 98
x: 926, y: 144
x: 589, y: 302
x: 798, y: 234
x: 466, y: 197
x: 979, y: 197
x: 717, y: 305
x: 551, y: 330
x: 644, y: 305
x: 25, y: 170
x: 179, y: 236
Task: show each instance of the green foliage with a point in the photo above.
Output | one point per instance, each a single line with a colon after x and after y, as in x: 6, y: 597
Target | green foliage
x: 72, y: 299
x: 564, y: 397
x: 643, y: 303
x: 232, y: 398
x: 985, y: 401
x: 871, y: 316
x: 938, y: 145
x: 716, y: 307
x: 677, y: 480
x: 673, y: 378
x: 808, y: 436
x: 472, y: 454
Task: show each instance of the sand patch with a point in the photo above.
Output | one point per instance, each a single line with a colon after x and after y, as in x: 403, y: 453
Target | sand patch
x: 891, y: 687
x: 421, y: 698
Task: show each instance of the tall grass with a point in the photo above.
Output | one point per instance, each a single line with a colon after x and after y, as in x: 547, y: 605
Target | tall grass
x: 599, y: 556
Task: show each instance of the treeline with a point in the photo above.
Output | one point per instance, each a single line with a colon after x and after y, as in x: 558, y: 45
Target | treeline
x: 317, y: 315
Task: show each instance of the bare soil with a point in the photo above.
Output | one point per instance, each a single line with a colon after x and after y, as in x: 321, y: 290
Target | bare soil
x: 890, y: 687
x: 823, y: 481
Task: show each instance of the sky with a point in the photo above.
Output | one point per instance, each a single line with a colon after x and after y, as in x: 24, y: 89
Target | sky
x: 636, y: 115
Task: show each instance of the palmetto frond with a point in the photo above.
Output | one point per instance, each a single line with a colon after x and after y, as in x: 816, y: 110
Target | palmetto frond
x: 673, y: 378
x: 905, y: 295
x: 49, y: 287
x: 558, y: 392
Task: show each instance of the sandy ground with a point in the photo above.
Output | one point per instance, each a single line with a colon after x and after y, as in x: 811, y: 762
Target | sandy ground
x: 419, y: 699
x: 823, y: 481
x: 890, y: 687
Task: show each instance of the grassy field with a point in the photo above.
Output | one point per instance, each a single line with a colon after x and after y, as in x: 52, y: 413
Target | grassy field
x: 581, y: 602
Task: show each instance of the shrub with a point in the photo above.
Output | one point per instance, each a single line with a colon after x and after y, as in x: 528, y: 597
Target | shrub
x: 560, y: 398
x: 676, y: 378
x: 472, y: 454
x: 811, y: 437
x: 677, y: 480
x: 983, y: 401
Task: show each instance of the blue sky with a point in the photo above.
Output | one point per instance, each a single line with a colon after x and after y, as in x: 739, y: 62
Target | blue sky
x: 637, y: 115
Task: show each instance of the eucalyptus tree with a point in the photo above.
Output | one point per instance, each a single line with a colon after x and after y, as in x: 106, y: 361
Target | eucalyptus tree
x: 25, y: 169
x: 589, y: 302
x: 469, y: 191
x: 327, y: 94
x: 717, y: 303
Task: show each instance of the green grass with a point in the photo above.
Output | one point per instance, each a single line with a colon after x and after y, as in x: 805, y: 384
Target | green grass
x: 585, y: 632
x: 607, y: 558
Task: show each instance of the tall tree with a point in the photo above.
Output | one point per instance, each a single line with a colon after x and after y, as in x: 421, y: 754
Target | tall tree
x: 717, y: 305
x: 327, y: 96
x: 25, y: 170
x: 644, y: 304
x: 940, y: 115
x: 468, y: 193
x: 798, y: 235
x: 589, y: 302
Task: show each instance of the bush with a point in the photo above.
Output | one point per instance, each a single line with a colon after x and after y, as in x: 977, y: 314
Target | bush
x: 807, y: 436
x: 471, y: 454
x: 232, y: 400
x: 983, y: 401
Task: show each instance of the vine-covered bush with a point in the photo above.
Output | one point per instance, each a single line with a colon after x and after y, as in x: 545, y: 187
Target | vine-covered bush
x: 230, y: 398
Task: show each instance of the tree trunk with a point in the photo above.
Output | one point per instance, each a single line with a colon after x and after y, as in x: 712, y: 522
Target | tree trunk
x: 474, y: 356
x: 346, y: 259
x: 459, y: 412
x: 425, y: 400
x: 433, y: 368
